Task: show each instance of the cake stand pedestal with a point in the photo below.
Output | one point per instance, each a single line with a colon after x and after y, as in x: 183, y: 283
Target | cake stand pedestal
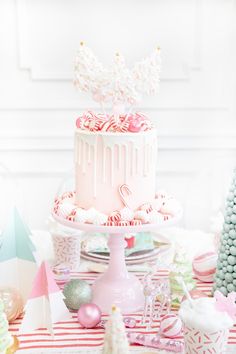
x: 117, y: 286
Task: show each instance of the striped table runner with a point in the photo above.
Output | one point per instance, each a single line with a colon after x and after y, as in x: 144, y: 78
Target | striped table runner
x: 70, y: 336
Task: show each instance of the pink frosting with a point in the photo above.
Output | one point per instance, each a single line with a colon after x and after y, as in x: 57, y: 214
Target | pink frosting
x: 132, y: 123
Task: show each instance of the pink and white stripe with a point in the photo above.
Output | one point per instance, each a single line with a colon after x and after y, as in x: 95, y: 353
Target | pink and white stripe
x: 70, y: 336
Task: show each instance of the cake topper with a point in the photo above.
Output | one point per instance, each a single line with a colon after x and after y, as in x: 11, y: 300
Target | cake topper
x: 119, y: 85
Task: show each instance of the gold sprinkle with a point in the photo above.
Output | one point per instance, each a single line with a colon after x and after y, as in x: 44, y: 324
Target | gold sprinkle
x: 113, y: 308
x: 81, y: 43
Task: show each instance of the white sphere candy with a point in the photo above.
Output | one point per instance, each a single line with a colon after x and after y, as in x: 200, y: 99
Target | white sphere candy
x: 204, y: 266
x: 171, y: 326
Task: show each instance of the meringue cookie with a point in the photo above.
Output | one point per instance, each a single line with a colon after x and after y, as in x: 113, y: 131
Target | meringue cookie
x: 64, y: 209
x: 142, y: 215
x: 81, y: 216
x: 126, y: 214
x: 91, y: 213
x: 99, y: 219
x: 170, y: 206
x: 155, y: 217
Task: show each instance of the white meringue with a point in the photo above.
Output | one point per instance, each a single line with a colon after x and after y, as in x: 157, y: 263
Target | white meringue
x: 155, y: 217
x: 170, y: 206
x: 142, y: 215
x: 100, y: 219
x: 64, y: 209
x: 81, y: 216
x: 126, y: 214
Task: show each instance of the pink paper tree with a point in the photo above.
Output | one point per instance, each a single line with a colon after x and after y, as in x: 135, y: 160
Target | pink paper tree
x: 45, y: 305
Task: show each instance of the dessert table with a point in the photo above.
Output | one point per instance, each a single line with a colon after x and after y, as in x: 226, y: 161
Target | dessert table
x: 71, y: 338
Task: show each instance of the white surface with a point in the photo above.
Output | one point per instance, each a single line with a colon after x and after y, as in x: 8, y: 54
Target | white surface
x: 195, y: 111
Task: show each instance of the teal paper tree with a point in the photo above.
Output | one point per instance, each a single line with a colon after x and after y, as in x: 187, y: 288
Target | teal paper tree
x: 17, y: 255
x: 225, y: 276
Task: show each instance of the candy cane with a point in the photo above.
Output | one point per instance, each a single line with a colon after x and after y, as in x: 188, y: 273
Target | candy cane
x: 124, y: 188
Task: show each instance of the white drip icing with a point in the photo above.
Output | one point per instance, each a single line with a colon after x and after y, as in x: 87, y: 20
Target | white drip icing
x: 131, y: 153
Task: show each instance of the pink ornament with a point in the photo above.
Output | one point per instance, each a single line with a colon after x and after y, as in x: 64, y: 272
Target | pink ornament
x: 170, y: 326
x: 204, y: 266
x: 226, y: 303
x: 89, y: 315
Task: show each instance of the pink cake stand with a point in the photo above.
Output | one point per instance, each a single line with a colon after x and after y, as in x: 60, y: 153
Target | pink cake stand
x: 117, y: 286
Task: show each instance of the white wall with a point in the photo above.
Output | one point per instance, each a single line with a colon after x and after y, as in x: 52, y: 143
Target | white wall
x: 195, y: 111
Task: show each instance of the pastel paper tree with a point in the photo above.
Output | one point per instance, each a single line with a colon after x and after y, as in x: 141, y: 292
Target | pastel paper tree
x: 225, y: 276
x: 45, y: 305
x: 115, y: 339
x: 17, y: 255
x: 181, y: 268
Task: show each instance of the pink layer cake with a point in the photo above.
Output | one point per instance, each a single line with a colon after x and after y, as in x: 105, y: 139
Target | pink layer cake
x: 115, y: 168
x: 110, y: 153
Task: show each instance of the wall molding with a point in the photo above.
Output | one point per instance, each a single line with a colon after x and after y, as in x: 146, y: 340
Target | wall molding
x: 58, y: 143
x: 35, y: 75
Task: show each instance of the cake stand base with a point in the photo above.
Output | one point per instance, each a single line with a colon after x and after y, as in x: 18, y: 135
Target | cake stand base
x: 117, y: 286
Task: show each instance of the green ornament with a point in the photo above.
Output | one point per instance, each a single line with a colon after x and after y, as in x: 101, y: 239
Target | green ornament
x: 228, y: 220
x: 77, y: 292
x: 234, y: 275
x: 230, y: 242
x: 230, y: 288
x: 229, y: 277
x: 232, y: 233
x: 229, y: 211
x: 234, y: 207
x: 233, y: 218
x: 231, y: 226
x: 232, y: 260
x: 230, y: 196
x: 224, y: 263
x: 233, y: 250
x: 226, y: 227
x: 221, y: 274
x: 230, y: 269
x: 234, y: 281
x: 223, y: 290
x: 218, y: 283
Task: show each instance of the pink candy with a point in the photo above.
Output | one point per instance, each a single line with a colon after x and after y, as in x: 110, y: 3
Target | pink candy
x: 149, y: 340
x: 114, y: 216
x: 133, y: 123
x: 146, y: 207
x: 135, y: 222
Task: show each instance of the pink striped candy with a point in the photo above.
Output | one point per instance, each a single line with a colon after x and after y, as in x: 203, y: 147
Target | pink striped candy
x: 114, y: 216
x: 110, y: 223
x: 135, y: 222
x: 204, y: 266
x: 123, y: 223
x: 147, y: 207
x: 170, y: 326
